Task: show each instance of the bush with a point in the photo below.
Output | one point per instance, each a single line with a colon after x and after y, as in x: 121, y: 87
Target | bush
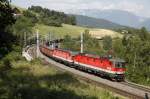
x: 14, y: 55
x: 7, y: 64
x: 50, y: 22
x: 107, y: 43
x: 31, y: 16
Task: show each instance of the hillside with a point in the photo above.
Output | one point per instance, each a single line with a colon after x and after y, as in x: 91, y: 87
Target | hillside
x: 100, y: 33
x: 60, y: 31
x: 74, y: 31
x: 64, y: 29
x: 96, y: 23
x: 146, y: 24
x: 121, y: 17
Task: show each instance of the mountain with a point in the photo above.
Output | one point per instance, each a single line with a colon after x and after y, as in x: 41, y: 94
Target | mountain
x: 116, y: 16
x: 96, y: 23
x: 146, y: 24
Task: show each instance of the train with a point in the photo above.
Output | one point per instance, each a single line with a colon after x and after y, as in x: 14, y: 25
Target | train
x: 105, y: 67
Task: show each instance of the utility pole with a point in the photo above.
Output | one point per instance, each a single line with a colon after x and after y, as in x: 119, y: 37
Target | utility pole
x: 53, y: 41
x: 46, y: 39
x: 134, y: 60
x: 49, y: 39
x: 37, y: 45
x: 25, y: 39
x: 81, y: 50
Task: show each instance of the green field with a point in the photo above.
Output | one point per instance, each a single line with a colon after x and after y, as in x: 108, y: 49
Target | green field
x: 60, y: 31
x: 74, y: 31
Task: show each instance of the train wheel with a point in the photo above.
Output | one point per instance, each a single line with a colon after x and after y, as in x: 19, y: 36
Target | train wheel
x: 113, y: 79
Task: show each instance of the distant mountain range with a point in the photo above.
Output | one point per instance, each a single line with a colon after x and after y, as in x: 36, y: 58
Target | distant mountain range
x: 115, y: 16
x: 96, y: 22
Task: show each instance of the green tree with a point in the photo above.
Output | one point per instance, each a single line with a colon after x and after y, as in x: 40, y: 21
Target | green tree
x: 107, y: 42
x: 6, y: 15
x: 23, y: 24
x: 137, y: 55
x: 143, y: 33
x: 68, y: 42
x: 52, y: 18
x: 50, y: 22
x: 6, y: 20
x: 118, y: 48
x: 71, y: 20
x: 31, y: 16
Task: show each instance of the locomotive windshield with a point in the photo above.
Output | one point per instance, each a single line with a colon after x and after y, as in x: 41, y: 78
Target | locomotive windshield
x: 118, y: 63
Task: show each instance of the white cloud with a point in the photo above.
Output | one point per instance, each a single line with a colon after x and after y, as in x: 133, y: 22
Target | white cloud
x: 130, y: 6
x: 135, y: 6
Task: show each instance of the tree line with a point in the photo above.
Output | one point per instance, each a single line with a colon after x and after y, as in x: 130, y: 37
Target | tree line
x: 51, y: 17
x: 135, y: 49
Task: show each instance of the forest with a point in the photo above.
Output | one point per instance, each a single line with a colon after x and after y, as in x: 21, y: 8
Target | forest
x: 51, y: 17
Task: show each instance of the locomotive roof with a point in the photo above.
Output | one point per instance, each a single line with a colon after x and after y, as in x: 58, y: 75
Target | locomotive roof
x: 72, y: 52
x: 94, y: 56
x: 117, y: 60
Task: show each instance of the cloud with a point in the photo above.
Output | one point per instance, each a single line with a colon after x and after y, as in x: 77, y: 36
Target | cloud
x: 134, y: 6
x: 130, y: 6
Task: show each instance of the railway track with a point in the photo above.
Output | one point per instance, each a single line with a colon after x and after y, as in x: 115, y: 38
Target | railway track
x: 136, y: 86
x: 126, y: 89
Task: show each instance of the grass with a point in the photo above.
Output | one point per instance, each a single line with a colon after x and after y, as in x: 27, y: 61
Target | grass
x: 74, y: 31
x: 100, y: 33
x: 60, y: 31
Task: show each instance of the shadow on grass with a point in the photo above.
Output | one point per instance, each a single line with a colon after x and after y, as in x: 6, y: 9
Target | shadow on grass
x: 42, y: 93
x: 62, y: 79
x: 20, y: 84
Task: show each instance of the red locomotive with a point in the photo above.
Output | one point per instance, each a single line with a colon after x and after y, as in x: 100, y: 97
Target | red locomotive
x: 103, y: 66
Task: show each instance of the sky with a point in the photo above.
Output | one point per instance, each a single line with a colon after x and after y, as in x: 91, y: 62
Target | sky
x: 138, y: 7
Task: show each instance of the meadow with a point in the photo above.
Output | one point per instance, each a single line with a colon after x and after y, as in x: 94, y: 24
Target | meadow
x: 74, y: 31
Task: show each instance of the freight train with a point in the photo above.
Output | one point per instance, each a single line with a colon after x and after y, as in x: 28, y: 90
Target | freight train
x: 102, y: 66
